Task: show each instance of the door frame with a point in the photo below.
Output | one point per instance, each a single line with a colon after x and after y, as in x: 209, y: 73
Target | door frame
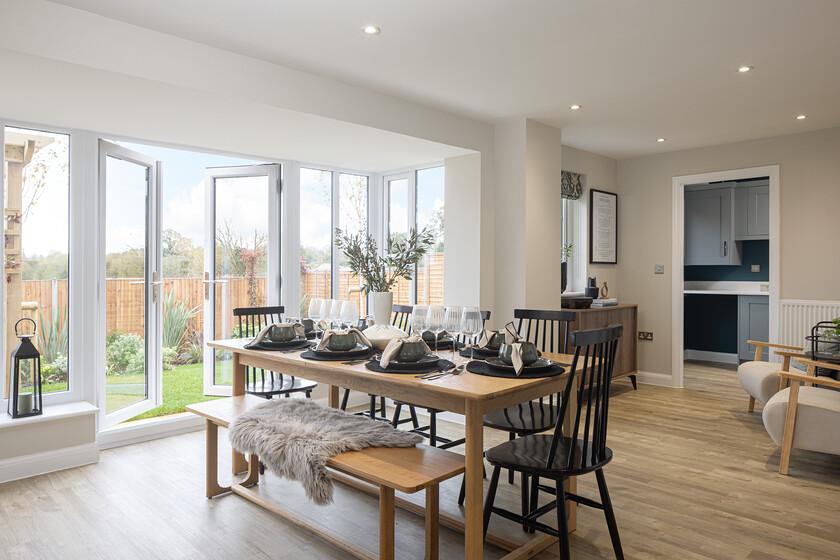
x: 153, y: 338
x: 678, y: 185
x: 274, y: 173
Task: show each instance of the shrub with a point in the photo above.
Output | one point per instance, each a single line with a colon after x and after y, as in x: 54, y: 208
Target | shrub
x: 176, y: 320
x: 125, y: 353
x: 53, y: 335
x: 170, y: 356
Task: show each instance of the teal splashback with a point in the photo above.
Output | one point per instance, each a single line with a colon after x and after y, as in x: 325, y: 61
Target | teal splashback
x: 752, y: 252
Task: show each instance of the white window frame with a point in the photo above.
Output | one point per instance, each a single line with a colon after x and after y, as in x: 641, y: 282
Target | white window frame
x: 574, y: 226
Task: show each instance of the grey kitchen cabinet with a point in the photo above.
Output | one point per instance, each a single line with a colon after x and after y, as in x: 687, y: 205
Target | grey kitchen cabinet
x: 709, y: 232
x: 753, y: 323
x: 752, y: 213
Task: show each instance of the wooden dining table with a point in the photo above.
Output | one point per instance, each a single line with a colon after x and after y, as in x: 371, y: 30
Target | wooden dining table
x: 466, y: 393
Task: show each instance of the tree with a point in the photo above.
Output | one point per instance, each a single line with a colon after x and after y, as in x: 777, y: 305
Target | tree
x: 236, y: 257
x: 181, y: 257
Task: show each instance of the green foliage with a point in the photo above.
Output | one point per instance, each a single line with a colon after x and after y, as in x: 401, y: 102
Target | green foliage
x: 130, y: 263
x: 124, y: 354
x: 170, y: 355
x: 53, y: 339
x: 52, y: 266
x: 566, y: 251
x: 176, y: 321
x: 381, y: 273
x: 181, y: 257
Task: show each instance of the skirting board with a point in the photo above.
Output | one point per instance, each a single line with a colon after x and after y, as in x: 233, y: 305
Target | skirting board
x: 26, y: 466
x: 145, y: 430
x: 653, y: 378
x: 705, y: 356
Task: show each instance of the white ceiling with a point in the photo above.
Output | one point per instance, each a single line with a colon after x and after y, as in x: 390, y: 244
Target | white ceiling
x: 642, y: 69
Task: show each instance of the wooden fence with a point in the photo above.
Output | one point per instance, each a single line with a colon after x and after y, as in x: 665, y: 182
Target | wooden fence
x: 124, y: 296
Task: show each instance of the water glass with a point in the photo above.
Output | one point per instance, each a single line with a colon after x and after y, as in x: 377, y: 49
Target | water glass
x: 349, y: 313
x: 335, y: 311
x: 434, y: 321
x: 325, y: 310
x: 452, y: 325
x: 314, y: 313
x: 471, y: 325
x: 419, y: 315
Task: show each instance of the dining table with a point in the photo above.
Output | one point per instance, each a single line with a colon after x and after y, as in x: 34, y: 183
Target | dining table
x: 465, y: 393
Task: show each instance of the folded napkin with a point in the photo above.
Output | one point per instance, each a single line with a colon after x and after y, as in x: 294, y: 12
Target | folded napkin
x: 300, y: 331
x: 393, y: 349
x: 486, y: 337
x: 360, y: 338
x: 323, y: 325
x: 513, y: 339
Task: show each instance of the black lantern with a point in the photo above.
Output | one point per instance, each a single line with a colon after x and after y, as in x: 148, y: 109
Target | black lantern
x: 25, y: 394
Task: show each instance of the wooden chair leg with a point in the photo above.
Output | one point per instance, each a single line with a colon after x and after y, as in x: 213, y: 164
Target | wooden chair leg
x: 563, y: 521
x: 463, y: 493
x: 491, y: 497
x: 751, y: 405
x: 386, y: 523
x: 790, y: 428
x: 415, y: 423
x: 432, y: 428
x: 432, y: 522
x: 344, y: 399
x: 534, y: 501
x: 609, y: 514
x: 511, y: 437
x: 397, y: 412
x: 633, y: 381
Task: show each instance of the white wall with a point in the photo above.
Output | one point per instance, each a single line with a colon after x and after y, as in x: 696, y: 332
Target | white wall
x: 462, y: 219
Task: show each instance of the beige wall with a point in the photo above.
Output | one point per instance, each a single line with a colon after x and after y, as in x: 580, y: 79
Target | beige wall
x: 462, y: 260
x: 809, y: 166
x: 601, y: 173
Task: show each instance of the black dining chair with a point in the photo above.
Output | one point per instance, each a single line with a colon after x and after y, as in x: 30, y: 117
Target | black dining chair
x: 258, y: 381
x: 575, y: 448
x: 549, y: 330
x: 400, y: 318
x: 430, y: 431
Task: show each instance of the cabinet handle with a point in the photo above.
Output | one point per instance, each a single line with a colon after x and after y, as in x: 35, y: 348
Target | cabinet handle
x: 724, y: 248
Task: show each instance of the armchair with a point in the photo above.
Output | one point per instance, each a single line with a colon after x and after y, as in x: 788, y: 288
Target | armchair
x: 760, y: 379
x: 802, y: 416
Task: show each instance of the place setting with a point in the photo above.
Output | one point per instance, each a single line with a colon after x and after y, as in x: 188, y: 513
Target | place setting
x: 504, y: 353
x: 348, y: 345
x: 285, y: 337
x: 409, y: 355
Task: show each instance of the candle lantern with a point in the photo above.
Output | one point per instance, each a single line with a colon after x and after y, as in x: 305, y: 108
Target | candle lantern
x: 25, y: 390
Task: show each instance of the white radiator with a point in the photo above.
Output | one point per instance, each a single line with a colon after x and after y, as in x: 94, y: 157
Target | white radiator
x: 797, y: 316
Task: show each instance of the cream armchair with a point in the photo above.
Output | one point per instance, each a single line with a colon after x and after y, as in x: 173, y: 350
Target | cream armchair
x: 804, y: 417
x: 761, y: 379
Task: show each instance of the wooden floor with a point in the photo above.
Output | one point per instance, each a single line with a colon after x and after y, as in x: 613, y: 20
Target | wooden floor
x: 694, y: 477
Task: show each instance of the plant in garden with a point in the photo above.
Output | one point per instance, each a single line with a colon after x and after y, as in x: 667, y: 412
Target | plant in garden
x: 239, y: 258
x: 176, y: 321
x: 380, y: 272
x: 124, y: 353
x: 53, y: 336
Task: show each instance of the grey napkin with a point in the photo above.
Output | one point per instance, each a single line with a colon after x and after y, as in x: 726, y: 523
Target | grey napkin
x: 486, y: 336
x: 360, y: 338
x: 393, y: 349
x: 300, y: 331
x: 513, y: 339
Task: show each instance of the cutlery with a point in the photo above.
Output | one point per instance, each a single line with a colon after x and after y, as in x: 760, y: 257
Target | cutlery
x: 355, y: 362
x: 437, y: 375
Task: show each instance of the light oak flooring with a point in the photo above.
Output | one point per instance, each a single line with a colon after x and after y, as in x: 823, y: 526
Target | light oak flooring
x: 694, y: 477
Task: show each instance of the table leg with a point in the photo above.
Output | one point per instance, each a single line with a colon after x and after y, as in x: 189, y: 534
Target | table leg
x: 386, y: 523
x: 238, y: 463
x: 571, y: 482
x: 432, y: 522
x: 333, y: 398
x: 474, y: 481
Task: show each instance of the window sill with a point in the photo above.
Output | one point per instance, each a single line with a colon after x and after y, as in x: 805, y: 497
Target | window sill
x: 50, y: 414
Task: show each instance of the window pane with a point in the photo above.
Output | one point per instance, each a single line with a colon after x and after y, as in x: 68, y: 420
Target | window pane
x: 352, y: 218
x: 430, y: 197
x: 315, y: 236
x: 37, y: 208
x: 398, y: 228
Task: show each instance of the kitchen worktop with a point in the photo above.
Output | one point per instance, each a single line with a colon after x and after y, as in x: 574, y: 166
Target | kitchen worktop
x: 727, y: 288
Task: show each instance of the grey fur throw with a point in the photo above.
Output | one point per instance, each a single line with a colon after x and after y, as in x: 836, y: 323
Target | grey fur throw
x: 294, y: 438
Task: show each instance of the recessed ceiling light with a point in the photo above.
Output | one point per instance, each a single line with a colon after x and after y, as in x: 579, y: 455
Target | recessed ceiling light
x: 574, y: 107
x: 660, y: 140
x: 744, y: 69
x: 371, y: 30
x: 801, y: 117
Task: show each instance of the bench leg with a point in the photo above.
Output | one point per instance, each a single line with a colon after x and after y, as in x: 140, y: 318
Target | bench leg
x: 211, y: 480
x: 386, y: 523
x: 432, y: 522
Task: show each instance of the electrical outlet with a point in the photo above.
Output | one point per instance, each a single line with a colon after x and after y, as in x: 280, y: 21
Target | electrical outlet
x: 659, y: 269
x: 755, y: 268
x: 646, y: 335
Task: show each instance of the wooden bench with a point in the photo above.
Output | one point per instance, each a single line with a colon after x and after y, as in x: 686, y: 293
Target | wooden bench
x: 408, y: 470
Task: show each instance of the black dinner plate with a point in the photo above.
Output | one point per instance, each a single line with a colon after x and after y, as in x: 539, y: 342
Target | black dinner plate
x: 426, y: 361
x: 359, y: 350
x: 480, y: 352
x: 276, y: 345
x: 479, y: 367
x: 541, y: 364
x: 428, y: 367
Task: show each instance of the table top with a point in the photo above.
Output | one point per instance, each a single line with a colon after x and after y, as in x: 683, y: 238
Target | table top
x: 465, y: 385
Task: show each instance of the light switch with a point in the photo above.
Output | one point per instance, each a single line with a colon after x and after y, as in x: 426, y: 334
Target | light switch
x: 659, y: 269
x: 755, y: 268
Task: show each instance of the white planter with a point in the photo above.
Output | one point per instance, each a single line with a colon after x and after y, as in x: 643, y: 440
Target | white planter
x: 381, y: 304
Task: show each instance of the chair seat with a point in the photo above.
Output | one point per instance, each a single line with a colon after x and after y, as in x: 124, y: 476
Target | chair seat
x: 759, y: 379
x: 530, y: 453
x: 817, y: 418
x: 280, y: 385
x: 531, y: 417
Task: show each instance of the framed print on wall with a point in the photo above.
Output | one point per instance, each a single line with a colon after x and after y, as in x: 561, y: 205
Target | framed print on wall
x: 603, y: 227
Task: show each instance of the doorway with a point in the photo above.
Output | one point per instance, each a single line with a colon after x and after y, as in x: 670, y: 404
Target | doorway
x: 723, y: 249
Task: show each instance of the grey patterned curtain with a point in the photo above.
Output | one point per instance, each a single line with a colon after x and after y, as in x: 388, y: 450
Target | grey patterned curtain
x: 571, y: 184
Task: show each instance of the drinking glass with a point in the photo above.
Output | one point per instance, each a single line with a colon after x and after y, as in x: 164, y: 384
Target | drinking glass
x: 335, y: 311
x: 349, y: 313
x: 452, y: 325
x: 434, y: 321
x: 325, y: 310
x: 471, y: 326
x: 419, y: 315
x: 314, y: 313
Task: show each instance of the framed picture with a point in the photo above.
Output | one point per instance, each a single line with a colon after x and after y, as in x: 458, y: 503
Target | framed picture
x: 603, y: 227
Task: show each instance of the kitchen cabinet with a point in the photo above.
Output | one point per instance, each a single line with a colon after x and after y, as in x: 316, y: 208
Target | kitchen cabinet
x: 752, y: 213
x: 709, y: 231
x: 753, y: 323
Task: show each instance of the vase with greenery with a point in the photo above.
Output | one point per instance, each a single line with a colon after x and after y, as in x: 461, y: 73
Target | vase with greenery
x: 380, y: 271
x: 565, y: 255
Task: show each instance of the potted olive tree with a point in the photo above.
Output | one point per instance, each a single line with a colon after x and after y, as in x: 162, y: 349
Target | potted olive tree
x: 380, y: 271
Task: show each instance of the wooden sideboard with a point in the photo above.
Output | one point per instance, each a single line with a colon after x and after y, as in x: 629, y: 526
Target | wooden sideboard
x: 597, y: 317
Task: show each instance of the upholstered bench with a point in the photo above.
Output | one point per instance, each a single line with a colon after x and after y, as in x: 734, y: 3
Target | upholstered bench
x: 407, y: 469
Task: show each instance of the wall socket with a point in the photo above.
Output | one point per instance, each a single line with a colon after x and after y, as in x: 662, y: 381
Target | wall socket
x: 659, y: 269
x: 755, y: 268
x: 646, y: 335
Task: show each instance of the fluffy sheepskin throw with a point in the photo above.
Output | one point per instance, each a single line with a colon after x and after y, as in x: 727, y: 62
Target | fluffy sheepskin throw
x: 294, y: 438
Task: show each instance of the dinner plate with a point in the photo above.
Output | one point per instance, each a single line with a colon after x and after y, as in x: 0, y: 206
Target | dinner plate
x: 424, y: 362
x: 480, y: 352
x: 276, y: 345
x: 540, y: 365
x: 359, y: 350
